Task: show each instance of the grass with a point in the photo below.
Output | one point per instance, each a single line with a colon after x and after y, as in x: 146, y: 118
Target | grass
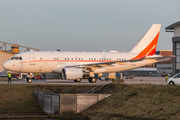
x: 127, y: 102
x: 139, y: 102
x: 21, y: 98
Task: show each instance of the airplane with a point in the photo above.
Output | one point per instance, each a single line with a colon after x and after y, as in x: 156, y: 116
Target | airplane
x: 74, y: 65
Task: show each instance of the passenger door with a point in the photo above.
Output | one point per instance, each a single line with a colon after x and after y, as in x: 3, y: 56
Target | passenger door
x: 31, y: 59
x: 176, y: 79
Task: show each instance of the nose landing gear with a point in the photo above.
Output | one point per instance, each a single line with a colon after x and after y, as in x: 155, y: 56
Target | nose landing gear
x: 29, y: 80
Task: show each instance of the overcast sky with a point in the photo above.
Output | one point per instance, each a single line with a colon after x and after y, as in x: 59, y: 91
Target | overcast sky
x: 85, y: 25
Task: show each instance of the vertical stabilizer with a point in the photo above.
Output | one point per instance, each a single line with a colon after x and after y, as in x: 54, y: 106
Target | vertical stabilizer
x: 148, y: 43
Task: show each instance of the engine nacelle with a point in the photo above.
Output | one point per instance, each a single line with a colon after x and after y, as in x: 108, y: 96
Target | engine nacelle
x: 72, y: 73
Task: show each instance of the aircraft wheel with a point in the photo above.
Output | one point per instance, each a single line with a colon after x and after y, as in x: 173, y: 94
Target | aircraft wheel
x: 90, y: 79
x: 94, y: 80
x: 78, y: 80
x: 28, y: 80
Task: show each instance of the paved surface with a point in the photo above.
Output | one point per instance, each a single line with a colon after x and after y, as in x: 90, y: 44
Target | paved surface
x: 57, y: 81
x: 146, y: 80
x: 135, y: 80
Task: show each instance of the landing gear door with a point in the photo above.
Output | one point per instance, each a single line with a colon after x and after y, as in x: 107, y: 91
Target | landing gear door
x: 31, y: 59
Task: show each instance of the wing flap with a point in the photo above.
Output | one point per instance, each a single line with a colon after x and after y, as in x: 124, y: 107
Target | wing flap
x: 159, y: 58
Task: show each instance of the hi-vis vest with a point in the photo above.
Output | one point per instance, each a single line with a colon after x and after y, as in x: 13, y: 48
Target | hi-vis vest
x: 9, y: 75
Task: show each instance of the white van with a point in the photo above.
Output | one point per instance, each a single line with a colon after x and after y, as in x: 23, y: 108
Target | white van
x: 174, y: 80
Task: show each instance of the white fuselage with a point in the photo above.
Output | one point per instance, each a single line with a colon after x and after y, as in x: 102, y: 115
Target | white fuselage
x: 47, y: 62
x: 73, y: 65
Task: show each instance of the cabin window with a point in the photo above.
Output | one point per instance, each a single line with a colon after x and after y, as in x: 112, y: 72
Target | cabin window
x: 67, y: 58
x: 71, y: 58
x: 76, y: 58
x: 20, y: 58
x: 57, y: 58
x: 99, y: 58
x: 94, y: 58
x: 81, y: 58
x: 109, y: 58
x: 54, y: 58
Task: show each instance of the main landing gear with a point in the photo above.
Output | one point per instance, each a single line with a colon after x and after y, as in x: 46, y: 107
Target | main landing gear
x: 77, y: 80
x: 92, y: 79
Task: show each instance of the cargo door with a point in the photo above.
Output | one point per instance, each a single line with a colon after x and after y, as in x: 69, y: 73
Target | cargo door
x: 32, y: 59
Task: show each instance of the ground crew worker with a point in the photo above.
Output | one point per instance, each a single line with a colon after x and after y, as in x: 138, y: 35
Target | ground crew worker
x: 9, y: 77
x: 166, y: 78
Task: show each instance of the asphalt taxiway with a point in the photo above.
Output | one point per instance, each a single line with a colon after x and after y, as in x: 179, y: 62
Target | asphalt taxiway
x: 135, y: 80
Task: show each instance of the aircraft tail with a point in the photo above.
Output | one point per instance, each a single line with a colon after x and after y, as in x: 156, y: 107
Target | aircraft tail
x: 148, y: 43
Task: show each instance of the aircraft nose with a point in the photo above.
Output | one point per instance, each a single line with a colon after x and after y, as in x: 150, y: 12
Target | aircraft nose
x: 6, y: 65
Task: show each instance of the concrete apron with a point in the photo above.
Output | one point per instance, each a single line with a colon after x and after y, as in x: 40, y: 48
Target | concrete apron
x: 53, y: 103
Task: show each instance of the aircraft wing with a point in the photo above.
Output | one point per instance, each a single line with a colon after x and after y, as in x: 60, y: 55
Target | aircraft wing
x: 102, y: 64
x: 94, y: 66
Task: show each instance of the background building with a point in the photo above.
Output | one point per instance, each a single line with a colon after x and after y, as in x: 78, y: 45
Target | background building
x: 164, y: 70
x: 7, y: 53
x: 175, y: 27
x: 4, y: 56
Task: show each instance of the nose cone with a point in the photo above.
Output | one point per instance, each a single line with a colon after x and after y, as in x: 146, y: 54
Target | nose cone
x: 6, y: 65
x: 12, y: 65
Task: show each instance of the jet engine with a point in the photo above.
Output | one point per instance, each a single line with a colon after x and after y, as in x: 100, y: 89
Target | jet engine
x: 72, y: 73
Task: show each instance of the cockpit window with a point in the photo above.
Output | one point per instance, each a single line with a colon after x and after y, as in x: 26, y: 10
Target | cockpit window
x: 16, y: 58
x: 12, y: 58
